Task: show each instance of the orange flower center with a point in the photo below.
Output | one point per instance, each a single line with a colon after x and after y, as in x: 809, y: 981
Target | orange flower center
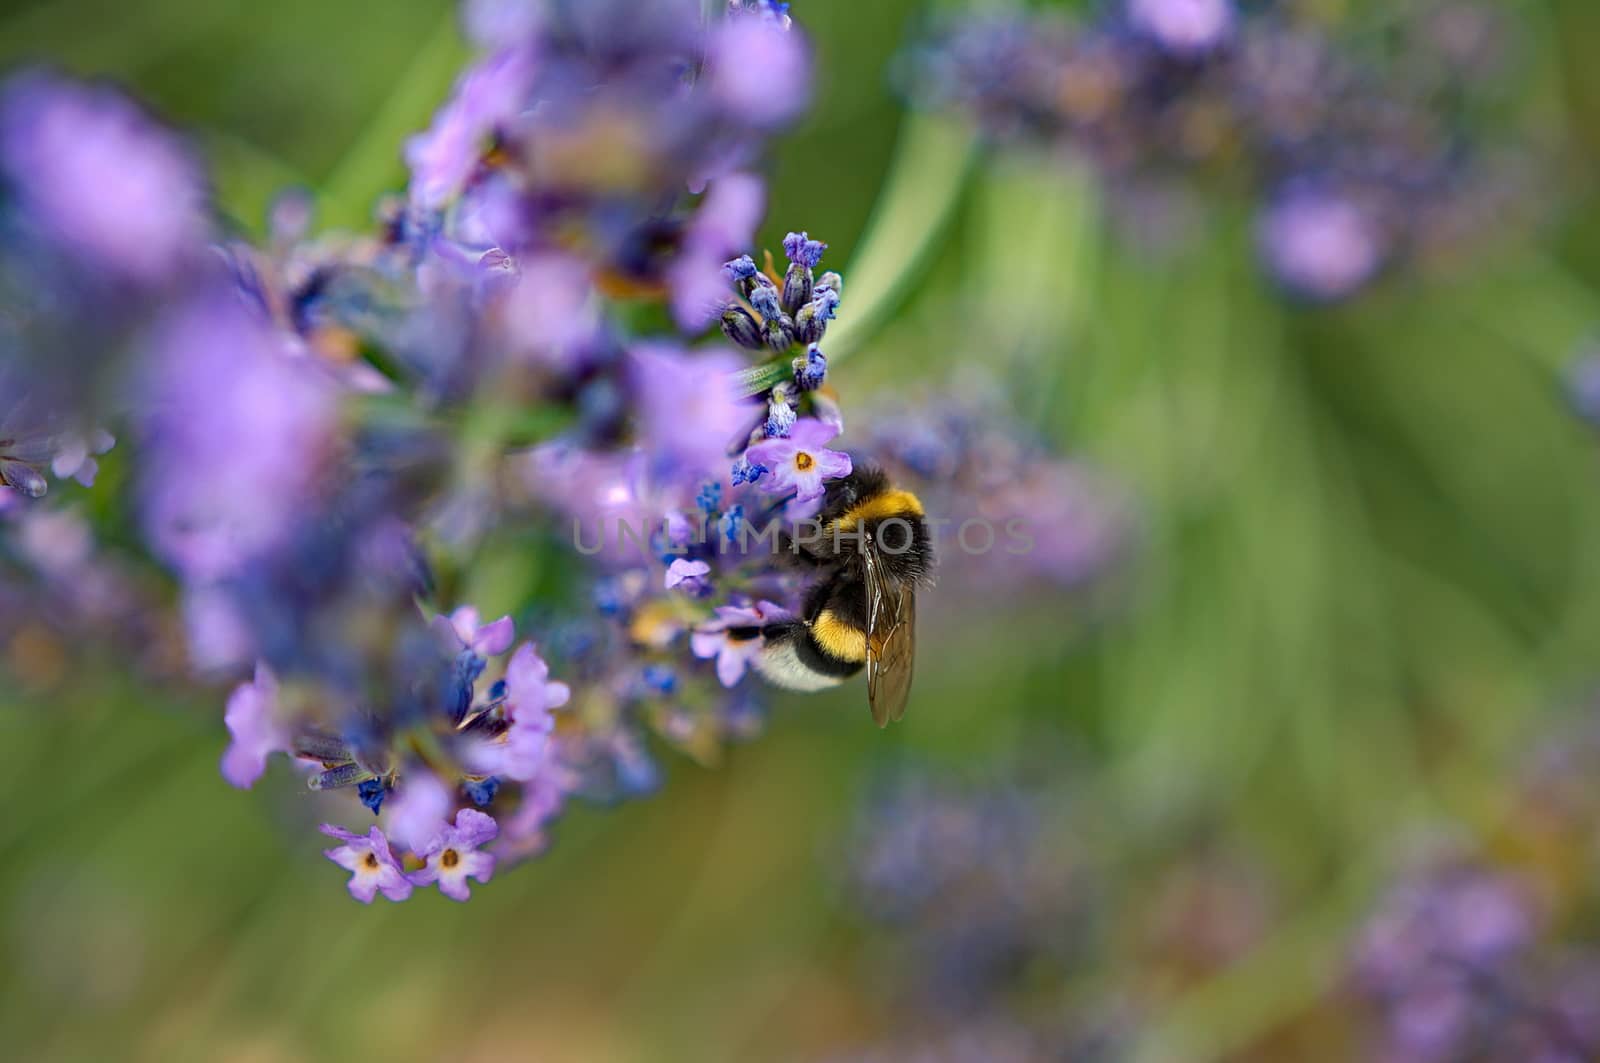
x: 449, y: 858
x: 371, y: 860
x: 804, y: 461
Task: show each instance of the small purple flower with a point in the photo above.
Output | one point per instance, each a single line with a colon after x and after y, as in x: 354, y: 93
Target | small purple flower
x: 530, y: 693
x: 257, y: 733
x: 96, y: 173
x: 726, y: 220
x: 373, y: 868
x: 237, y: 431
x: 522, y: 751
x: 453, y: 856
x: 690, y: 409
x: 800, y: 462
x: 734, y: 655
x: 688, y: 576
x: 461, y: 632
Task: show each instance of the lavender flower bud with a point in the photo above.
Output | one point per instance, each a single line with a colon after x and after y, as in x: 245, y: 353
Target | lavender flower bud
x: 826, y: 299
x: 23, y: 477
x: 797, y: 285
x: 802, y: 250
x: 742, y: 268
x: 764, y: 297
x: 809, y: 325
x: 812, y: 370
x: 781, y: 414
x: 831, y: 281
x: 742, y: 274
x: 741, y: 328
x: 746, y: 472
x: 780, y: 332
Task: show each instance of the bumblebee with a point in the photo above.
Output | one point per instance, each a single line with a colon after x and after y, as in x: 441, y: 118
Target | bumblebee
x: 872, y: 552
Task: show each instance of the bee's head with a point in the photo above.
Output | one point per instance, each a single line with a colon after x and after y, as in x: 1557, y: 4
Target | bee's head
x: 866, y: 504
x: 864, y: 482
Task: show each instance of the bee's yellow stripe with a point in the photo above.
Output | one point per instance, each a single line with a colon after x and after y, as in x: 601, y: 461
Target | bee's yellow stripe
x: 896, y: 503
x: 838, y: 638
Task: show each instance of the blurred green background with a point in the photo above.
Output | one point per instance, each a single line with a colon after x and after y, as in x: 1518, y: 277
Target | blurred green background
x: 1369, y: 568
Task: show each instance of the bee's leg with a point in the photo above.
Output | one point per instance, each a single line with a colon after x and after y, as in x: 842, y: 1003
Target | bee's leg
x: 781, y: 631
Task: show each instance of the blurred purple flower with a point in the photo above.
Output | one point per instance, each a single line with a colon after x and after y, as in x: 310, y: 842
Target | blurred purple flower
x: 1583, y: 385
x: 551, y: 312
x: 1444, y: 952
x: 1320, y: 245
x: 491, y: 23
x: 95, y: 173
x: 372, y: 866
x: 252, y: 719
x: 726, y: 221
x: 418, y: 811
x: 759, y: 71
x: 1183, y: 27
x: 689, y: 408
x: 236, y: 430
x: 487, y: 96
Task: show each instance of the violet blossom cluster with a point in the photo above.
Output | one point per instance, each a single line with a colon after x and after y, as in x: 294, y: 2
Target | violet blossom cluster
x: 1358, y: 144
x: 317, y: 435
x: 991, y: 908
x: 1455, y: 964
x: 1014, y: 926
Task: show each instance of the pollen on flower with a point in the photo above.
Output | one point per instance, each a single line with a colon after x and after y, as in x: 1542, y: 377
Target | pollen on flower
x: 803, y: 461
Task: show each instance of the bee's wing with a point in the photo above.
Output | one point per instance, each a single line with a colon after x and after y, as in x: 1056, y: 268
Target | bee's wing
x: 891, y: 640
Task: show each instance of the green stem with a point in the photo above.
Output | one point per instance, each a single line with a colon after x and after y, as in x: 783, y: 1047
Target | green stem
x: 930, y: 170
